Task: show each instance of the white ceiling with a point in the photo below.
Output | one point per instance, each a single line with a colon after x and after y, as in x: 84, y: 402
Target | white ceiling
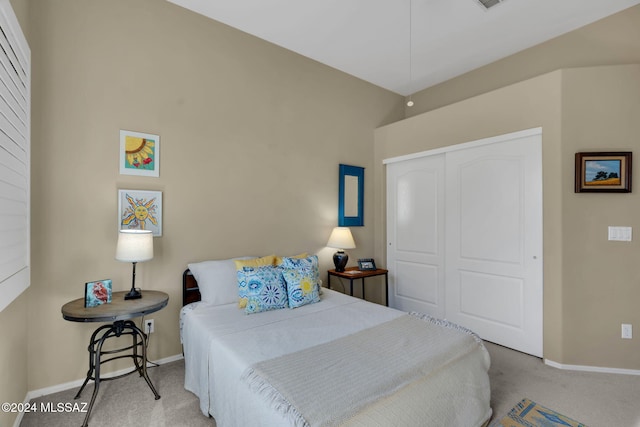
x: 370, y: 39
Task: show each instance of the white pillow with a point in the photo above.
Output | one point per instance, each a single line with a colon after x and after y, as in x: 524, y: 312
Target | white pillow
x: 217, y: 280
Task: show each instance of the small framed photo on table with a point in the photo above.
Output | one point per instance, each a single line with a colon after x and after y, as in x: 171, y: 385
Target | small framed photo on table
x: 366, y: 264
x: 97, y: 293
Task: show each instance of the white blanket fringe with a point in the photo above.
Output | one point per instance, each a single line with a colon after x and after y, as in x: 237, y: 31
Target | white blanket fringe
x: 275, y: 399
x: 414, y: 351
x: 446, y: 324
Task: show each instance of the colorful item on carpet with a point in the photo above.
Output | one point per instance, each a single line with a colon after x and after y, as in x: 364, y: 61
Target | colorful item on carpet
x: 529, y: 414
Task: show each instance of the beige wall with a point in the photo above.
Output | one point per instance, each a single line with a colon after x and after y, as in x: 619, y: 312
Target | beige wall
x: 601, y: 279
x: 14, y: 370
x: 590, y: 284
x: 251, y: 138
x: 609, y: 41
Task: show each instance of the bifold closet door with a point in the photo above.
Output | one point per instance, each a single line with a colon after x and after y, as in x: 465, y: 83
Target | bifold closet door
x: 415, y: 234
x: 494, y: 242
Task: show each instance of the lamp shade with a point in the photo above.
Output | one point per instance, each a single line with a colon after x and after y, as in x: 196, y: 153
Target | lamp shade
x: 341, y: 238
x: 134, y: 245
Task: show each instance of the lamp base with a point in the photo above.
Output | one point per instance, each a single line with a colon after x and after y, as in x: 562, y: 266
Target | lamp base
x: 133, y: 294
x: 340, y: 259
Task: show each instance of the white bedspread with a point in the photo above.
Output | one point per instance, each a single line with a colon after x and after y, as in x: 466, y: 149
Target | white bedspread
x: 221, y: 342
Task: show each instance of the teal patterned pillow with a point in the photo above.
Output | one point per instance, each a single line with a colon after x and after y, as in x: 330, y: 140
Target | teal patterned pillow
x: 265, y: 289
x: 302, y: 277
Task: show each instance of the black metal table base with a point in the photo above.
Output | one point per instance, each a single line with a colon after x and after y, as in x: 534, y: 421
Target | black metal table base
x: 98, y: 338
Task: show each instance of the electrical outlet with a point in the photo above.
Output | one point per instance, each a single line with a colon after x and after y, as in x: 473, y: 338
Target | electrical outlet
x: 148, y: 326
x: 627, y: 331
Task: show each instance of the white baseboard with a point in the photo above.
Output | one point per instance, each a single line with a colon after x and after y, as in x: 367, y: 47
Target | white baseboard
x: 591, y: 368
x: 33, y: 394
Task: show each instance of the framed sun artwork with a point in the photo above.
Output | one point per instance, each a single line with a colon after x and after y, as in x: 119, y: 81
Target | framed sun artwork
x: 139, y: 154
x: 140, y: 210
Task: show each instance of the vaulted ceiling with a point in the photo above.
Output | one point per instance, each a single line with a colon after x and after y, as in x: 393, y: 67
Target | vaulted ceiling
x: 406, y: 45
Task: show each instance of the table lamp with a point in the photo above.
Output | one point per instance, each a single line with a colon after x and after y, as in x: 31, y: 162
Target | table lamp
x: 134, y: 246
x: 341, y: 239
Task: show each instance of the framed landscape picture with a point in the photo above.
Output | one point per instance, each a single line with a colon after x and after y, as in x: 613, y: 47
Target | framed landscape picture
x: 603, y: 172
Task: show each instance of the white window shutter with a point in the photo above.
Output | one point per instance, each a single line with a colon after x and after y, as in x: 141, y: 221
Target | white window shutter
x: 15, y: 162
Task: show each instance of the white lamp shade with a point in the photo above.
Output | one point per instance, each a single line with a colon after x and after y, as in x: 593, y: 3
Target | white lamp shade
x: 134, y: 245
x: 341, y: 238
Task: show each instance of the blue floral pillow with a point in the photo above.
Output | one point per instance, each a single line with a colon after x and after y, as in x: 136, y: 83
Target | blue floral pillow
x: 302, y: 277
x: 241, y: 267
x: 265, y: 289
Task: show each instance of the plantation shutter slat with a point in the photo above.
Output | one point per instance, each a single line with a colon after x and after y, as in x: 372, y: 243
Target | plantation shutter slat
x: 15, y: 142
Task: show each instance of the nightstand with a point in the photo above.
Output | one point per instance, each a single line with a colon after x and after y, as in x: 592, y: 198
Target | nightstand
x: 119, y: 311
x: 352, y: 273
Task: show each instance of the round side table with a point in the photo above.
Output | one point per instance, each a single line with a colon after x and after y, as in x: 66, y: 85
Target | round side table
x: 119, y: 312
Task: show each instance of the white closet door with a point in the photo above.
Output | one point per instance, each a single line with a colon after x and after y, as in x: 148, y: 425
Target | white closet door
x: 415, y: 234
x: 464, y: 235
x: 494, y: 242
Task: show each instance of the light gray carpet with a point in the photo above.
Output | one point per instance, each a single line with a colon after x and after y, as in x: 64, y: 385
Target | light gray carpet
x: 595, y: 399
x: 128, y: 401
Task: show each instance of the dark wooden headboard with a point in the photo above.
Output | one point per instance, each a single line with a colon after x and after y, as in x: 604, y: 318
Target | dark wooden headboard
x: 190, y: 290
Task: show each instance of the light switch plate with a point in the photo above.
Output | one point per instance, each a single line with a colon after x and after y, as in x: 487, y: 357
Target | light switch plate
x: 627, y: 331
x: 621, y: 234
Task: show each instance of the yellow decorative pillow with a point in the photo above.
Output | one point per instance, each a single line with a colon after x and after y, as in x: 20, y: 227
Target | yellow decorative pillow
x: 280, y: 259
x: 249, y: 265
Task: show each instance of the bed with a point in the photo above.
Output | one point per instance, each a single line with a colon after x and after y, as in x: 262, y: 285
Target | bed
x: 338, y: 361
